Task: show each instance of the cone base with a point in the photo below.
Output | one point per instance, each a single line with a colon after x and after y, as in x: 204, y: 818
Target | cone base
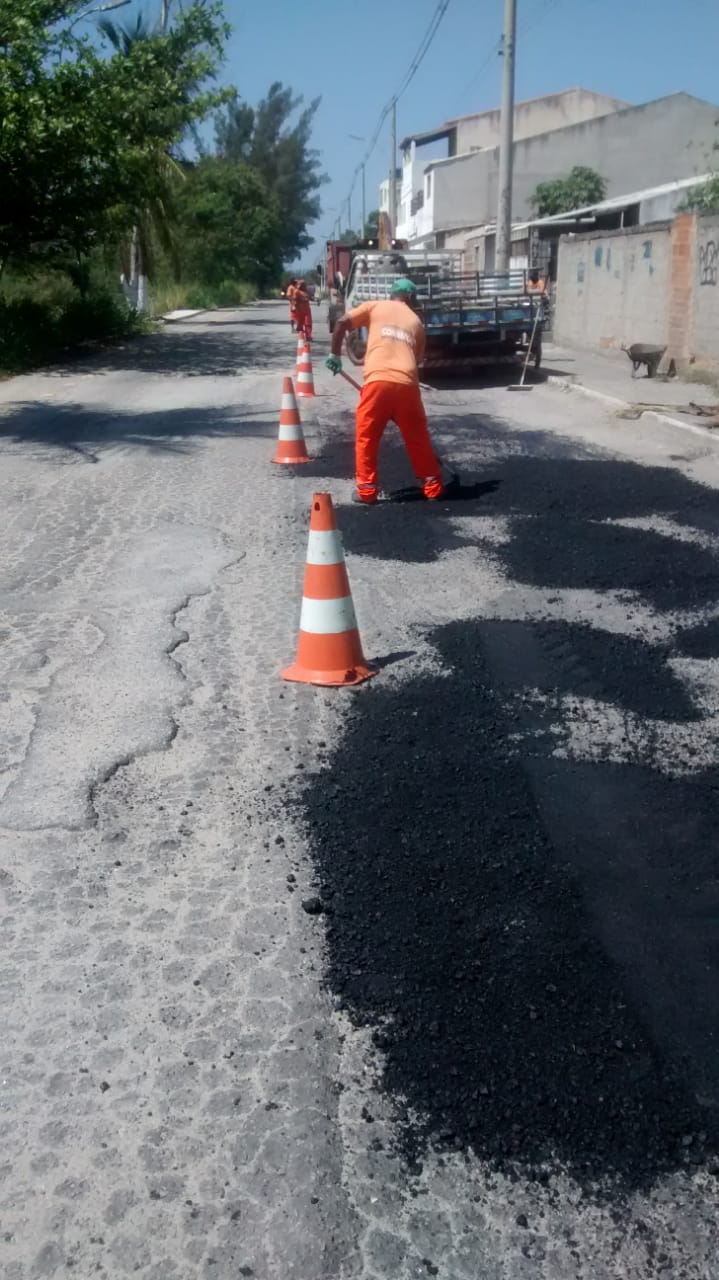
x: 290, y: 461
x: 305, y: 395
x: 349, y: 675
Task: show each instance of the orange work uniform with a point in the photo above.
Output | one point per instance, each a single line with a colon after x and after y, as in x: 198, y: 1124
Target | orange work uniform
x: 395, y: 343
x: 303, y: 314
x: 291, y: 297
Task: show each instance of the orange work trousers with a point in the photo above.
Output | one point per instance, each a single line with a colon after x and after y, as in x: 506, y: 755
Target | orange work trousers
x: 303, y: 316
x: 402, y: 402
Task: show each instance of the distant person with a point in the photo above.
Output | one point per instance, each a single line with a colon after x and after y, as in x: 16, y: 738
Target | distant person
x: 291, y: 298
x: 303, y: 311
x: 395, y: 345
x: 536, y: 283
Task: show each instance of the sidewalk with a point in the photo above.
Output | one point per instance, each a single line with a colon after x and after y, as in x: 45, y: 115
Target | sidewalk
x: 609, y: 378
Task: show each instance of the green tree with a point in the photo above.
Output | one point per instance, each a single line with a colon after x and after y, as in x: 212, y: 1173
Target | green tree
x: 229, y: 225
x: 280, y: 151
x: 581, y: 187
x: 80, y: 134
x: 703, y: 199
x: 371, y: 226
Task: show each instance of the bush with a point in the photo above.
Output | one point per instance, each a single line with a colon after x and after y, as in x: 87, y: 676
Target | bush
x: 37, y: 328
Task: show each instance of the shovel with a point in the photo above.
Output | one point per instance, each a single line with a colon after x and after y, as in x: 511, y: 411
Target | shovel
x: 521, y: 385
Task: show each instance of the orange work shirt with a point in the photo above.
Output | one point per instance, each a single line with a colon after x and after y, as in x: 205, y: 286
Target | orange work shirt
x: 395, y: 341
x: 291, y: 294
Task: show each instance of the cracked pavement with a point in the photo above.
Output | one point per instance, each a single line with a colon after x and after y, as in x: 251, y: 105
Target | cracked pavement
x: 495, y: 1053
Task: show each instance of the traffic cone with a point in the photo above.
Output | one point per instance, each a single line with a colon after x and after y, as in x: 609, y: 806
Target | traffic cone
x: 300, y: 353
x: 305, y: 380
x: 329, y: 650
x: 291, y: 445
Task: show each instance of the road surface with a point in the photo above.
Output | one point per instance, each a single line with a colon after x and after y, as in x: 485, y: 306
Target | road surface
x: 495, y: 1051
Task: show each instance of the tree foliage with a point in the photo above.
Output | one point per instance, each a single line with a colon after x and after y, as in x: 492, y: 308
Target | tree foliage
x: 229, y: 223
x: 704, y: 198
x: 80, y: 133
x: 265, y: 138
x: 371, y: 226
x: 94, y: 179
x: 581, y: 187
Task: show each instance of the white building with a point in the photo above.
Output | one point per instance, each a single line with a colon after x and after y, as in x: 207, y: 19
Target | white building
x: 446, y: 199
x: 424, y: 154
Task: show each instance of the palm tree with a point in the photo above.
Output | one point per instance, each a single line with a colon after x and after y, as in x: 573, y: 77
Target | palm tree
x: 153, y: 218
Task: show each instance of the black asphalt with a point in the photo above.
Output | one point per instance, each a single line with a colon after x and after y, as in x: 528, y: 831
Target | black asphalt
x: 534, y: 941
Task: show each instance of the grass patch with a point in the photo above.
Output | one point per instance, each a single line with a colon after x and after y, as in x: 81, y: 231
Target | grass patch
x: 200, y: 297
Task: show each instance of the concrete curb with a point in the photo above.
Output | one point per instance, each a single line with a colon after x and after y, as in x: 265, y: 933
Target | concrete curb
x: 176, y: 317
x: 613, y: 402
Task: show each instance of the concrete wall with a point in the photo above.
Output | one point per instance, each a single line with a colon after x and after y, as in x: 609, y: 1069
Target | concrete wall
x: 639, y: 147
x: 657, y: 284
x: 612, y: 288
x: 704, y: 330
x: 536, y: 116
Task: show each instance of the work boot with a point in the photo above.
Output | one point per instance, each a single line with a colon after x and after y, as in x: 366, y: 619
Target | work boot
x: 364, y: 502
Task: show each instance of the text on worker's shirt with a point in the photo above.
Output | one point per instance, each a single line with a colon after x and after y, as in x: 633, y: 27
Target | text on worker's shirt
x: 400, y: 335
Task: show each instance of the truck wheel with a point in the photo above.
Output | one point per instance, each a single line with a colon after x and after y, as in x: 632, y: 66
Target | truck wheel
x: 356, y: 346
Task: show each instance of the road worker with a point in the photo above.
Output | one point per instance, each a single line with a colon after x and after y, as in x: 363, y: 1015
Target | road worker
x: 291, y: 296
x: 536, y: 283
x: 395, y: 345
x: 303, y: 311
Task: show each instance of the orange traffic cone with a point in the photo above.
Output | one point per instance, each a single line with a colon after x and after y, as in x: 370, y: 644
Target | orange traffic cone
x: 291, y: 445
x: 329, y: 650
x: 305, y: 380
x: 300, y: 353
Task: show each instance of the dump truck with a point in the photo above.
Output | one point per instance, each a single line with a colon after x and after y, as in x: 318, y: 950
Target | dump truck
x: 470, y: 318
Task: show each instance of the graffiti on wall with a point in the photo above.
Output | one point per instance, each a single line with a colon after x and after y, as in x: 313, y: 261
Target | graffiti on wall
x: 709, y: 263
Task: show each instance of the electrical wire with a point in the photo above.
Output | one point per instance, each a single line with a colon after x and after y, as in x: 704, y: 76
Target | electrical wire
x: 533, y: 21
x: 409, y: 75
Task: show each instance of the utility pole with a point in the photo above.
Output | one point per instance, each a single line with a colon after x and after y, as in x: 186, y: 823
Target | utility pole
x: 506, y: 143
x: 393, y: 172
x: 364, y: 210
x: 164, y: 15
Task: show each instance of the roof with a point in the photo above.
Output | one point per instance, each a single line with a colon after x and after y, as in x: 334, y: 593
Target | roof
x: 444, y: 130
x: 603, y: 206
x: 621, y: 202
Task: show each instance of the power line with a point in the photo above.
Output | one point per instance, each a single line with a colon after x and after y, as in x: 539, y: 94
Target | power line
x: 409, y: 75
x: 523, y: 29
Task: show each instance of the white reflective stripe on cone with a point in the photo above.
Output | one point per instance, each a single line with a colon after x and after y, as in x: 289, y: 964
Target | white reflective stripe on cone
x: 327, y: 617
x: 293, y: 432
x: 324, y: 547
x: 288, y: 403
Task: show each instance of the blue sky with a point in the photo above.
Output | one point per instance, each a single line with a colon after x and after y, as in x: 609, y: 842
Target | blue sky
x: 355, y: 54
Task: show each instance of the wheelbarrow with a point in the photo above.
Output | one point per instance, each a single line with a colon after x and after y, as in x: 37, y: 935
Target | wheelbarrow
x: 639, y: 353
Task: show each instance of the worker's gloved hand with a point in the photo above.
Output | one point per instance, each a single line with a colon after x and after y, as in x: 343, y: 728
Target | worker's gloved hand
x: 334, y: 364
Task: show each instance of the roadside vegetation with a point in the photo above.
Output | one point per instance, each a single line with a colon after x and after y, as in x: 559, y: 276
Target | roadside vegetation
x: 132, y: 182
x: 580, y: 187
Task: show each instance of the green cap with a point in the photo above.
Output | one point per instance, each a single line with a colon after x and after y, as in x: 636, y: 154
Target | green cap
x: 403, y: 285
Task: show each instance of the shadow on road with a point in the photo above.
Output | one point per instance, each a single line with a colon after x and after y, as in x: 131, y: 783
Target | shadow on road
x: 80, y: 430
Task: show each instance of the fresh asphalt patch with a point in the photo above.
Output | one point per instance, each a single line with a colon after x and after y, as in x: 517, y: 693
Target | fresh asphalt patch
x: 458, y: 931
x: 527, y: 936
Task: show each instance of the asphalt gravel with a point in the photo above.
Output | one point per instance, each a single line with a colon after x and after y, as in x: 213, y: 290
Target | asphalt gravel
x: 417, y: 979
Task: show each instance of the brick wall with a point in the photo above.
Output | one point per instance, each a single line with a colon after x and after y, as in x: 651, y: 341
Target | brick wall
x: 679, y: 299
